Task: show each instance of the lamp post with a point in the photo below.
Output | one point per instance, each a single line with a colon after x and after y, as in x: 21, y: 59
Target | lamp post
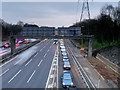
x: 82, y: 35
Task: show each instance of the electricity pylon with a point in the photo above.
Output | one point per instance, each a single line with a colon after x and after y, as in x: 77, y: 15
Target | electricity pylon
x: 85, y: 8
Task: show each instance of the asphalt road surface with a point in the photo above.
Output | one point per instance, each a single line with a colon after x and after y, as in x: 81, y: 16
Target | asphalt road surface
x: 6, y: 51
x: 31, y: 68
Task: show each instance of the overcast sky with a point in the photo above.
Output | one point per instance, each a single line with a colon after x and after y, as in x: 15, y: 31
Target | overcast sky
x: 48, y: 13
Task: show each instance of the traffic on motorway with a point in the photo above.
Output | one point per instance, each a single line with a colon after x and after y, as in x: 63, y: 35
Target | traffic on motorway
x: 66, y: 78
x: 20, y: 43
x: 35, y: 67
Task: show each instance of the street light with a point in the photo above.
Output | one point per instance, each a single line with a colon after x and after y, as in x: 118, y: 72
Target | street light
x: 82, y: 39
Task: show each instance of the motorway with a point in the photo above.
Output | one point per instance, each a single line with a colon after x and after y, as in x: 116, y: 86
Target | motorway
x: 31, y: 69
x: 6, y: 51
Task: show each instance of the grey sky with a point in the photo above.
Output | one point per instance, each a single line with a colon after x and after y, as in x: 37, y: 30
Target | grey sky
x: 47, y: 13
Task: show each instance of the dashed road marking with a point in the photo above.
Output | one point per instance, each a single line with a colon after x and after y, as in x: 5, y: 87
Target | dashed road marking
x: 4, y: 72
x: 40, y: 50
x: 28, y: 62
x: 36, y: 55
x: 48, y: 50
x: 40, y: 63
x: 14, y: 76
x: 54, y: 67
x: 17, y: 62
x: 45, y: 55
x: 31, y: 76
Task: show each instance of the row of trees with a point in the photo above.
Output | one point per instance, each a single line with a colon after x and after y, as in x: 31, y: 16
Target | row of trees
x: 12, y: 29
x: 106, y: 28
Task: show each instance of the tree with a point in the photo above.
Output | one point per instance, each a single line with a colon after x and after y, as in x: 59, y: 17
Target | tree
x: 117, y: 15
x: 20, y: 23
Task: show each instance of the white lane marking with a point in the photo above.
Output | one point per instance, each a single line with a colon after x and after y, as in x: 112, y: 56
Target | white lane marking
x: 36, y: 55
x: 14, y: 76
x: 17, y: 62
x: 40, y: 50
x: 53, y: 75
x: 17, y: 56
x: 45, y: 55
x: 28, y: 62
x: 40, y: 63
x: 48, y: 50
x: 31, y: 76
x: 44, y: 46
x: 9, y: 61
x: 4, y: 72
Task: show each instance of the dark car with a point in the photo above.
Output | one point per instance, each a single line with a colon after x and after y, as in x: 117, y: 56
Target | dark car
x: 67, y: 79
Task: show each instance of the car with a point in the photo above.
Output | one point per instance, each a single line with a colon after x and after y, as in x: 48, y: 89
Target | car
x: 61, y: 41
x: 63, y: 49
x: 66, y: 79
x: 55, y: 41
x: 64, y: 53
x: 61, y: 45
x: 25, y: 42
x: 67, y: 65
x: 20, y: 42
x: 6, y: 45
x: 65, y: 58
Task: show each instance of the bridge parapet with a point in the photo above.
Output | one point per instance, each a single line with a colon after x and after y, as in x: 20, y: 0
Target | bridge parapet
x: 47, y: 31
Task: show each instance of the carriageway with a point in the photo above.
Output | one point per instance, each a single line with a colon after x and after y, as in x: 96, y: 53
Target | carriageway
x: 52, y: 33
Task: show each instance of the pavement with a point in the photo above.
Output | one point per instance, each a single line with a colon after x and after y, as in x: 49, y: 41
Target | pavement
x: 89, y: 70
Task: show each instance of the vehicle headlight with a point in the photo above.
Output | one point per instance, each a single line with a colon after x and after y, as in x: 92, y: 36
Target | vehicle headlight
x: 72, y: 84
x: 64, y: 66
x: 63, y: 83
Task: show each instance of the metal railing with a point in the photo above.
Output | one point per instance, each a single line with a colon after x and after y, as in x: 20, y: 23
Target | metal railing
x: 82, y: 73
x: 9, y: 56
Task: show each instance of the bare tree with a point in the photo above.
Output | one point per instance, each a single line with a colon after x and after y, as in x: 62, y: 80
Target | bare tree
x: 20, y: 23
x: 108, y: 10
x: 117, y: 15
